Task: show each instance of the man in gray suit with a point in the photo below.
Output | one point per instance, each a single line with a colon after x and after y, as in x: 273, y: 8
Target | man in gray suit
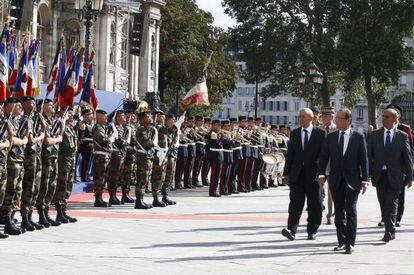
x: 390, y: 163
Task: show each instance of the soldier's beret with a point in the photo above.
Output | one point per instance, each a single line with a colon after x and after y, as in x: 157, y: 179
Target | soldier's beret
x: 44, y: 101
x: 129, y: 112
x: 215, y: 121
x: 100, y: 111
x: 119, y: 112
x: 207, y: 119
x: 199, y: 118
x: 282, y: 127
x: 242, y: 118
x: 225, y: 122
x: 395, y: 107
x: 170, y: 116
x: 233, y: 119
x: 159, y: 112
x: 189, y: 118
x: 12, y: 100
x: 288, y: 127
x: 250, y: 119
x: 143, y: 114
x: 27, y: 98
x: 86, y: 112
x: 273, y: 127
x: 258, y: 119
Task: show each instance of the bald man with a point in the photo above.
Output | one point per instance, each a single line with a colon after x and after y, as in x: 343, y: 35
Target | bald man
x: 391, y: 167
x: 300, y: 174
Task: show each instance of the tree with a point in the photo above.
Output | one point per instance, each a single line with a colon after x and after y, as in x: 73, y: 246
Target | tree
x: 371, y: 45
x: 280, y: 39
x: 187, y: 38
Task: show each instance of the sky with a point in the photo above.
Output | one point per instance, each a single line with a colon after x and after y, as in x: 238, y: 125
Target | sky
x: 221, y: 19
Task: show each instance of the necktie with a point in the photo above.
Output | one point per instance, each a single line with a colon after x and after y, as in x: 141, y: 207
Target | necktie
x: 327, y: 128
x: 305, y: 143
x: 341, y: 143
x: 388, y: 139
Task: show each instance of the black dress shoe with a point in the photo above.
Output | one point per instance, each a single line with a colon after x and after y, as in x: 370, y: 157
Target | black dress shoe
x: 340, y: 247
x: 312, y: 237
x: 388, y: 237
x: 288, y: 234
x: 349, y: 249
x: 397, y: 224
x: 3, y: 236
x: 381, y: 224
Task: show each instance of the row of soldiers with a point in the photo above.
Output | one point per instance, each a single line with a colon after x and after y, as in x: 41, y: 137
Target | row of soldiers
x: 35, y: 142
x: 230, y: 150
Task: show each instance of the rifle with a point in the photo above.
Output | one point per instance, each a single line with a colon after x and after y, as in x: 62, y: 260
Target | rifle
x: 4, y: 132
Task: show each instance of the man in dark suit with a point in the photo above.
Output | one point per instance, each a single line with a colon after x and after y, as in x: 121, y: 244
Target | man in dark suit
x: 347, y: 152
x: 300, y: 172
x: 391, y: 167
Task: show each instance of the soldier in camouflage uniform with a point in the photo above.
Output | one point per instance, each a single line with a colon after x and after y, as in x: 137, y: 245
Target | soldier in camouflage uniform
x: 6, y: 135
x: 127, y: 167
x: 50, y: 150
x: 117, y: 158
x: 145, y: 136
x: 160, y: 161
x: 66, y: 168
x: 32, y: 164
x: 15, y: 160
x: 102, y: 152
x: 171, y: 158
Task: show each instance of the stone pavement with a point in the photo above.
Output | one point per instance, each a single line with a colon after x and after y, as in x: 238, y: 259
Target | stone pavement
x: 239, y: 234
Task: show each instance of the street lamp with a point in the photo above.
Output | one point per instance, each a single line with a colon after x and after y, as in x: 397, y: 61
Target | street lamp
x: 88, y: 11
x: 316, y: 78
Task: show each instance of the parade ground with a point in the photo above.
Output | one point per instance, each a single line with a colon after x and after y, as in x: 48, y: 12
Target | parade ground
x: 239, y: 234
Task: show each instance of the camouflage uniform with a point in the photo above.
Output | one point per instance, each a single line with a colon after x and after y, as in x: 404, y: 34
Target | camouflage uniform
x: 100, y: 157
x: 49, y: 169
x: 145, y: 156
x: 3, y: 171
x: 15, y: 170
x: 66, y: 166
x: 171, y: 161
x: 129, y: 160
x: 158, y: 169
x: 32, y: 170
x: 117, y: 160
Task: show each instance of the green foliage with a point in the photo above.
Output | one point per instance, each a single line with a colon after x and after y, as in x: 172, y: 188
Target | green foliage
x: 281, y: 38
x: 187, y: 39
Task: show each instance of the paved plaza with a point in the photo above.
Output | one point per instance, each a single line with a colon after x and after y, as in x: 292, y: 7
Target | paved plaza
x: 239, y: 234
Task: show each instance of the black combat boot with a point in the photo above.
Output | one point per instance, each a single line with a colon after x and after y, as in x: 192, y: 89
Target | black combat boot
x: 157, y: 202
x: 60, y: 217
x: 126, y: 198
x: 35, y: 224
x: 69, y: 218
x: 26, y: 223
x: 113, y: 199
x: 165, y: 198
x: 42, y: 219
x: 99, y: 202
x: 10, y: 228
x: 49, y: 219
x: 140, y: 204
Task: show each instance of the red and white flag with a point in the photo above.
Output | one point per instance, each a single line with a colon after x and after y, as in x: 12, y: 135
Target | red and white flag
x: 198, y: 95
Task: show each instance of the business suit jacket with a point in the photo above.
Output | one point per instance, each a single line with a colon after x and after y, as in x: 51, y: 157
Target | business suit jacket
x: 299, y: 160
x: 352, y: 166
x: 397, y: 158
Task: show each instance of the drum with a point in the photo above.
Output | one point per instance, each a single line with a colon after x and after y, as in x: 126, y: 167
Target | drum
x: 269, y: 164
x: 280, y: 163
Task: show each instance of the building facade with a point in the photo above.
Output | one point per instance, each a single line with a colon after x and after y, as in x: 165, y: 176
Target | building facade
x: 116, y: 69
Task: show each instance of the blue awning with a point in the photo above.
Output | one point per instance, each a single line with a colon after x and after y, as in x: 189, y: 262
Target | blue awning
x: 108, y: 101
